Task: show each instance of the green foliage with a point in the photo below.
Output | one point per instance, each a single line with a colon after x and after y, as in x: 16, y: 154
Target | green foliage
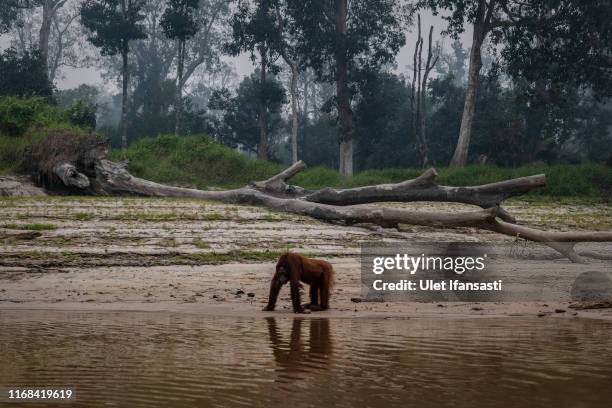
x: 240, y: 112
x: 383, y: 118
x: 10, y: 10
x: 198, y: 161
x: 13, y: 152
x: 178, y: 20
x: 194, y: 160
x: 83, y: 93
x: 24, y: 122
x: 82, y: 115
x: 30, y: 227
x: 17, y: 115
x: 375, y: 34
x: 23, y: 74
x: 573, y: 46
x: 254, y: 28
x: 110, y: 27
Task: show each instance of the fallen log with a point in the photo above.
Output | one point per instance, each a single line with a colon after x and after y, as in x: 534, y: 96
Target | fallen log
x: 113, y: 178
x: 78, y: 163
x: 424, y: 188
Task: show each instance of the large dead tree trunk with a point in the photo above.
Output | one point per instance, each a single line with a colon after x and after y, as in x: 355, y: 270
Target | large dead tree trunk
x: 424, y: 188
x: 79, y: 164
x: 275, y: 193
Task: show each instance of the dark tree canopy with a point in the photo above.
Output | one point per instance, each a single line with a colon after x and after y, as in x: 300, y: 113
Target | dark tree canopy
x: 178, y: 21
x: 375, y: 33
x: 240, y: 112
x: 252, y: 28
x: 561, y: 42
x: 111, y: 27
x: 9, y: 12
x: 24, y: 75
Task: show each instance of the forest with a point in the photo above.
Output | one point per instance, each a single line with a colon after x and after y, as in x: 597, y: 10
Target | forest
x: 325, y: 87
x: 306, y: 203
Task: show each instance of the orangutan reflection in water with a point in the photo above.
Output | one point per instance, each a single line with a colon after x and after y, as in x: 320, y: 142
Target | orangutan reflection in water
x: 297, y: 356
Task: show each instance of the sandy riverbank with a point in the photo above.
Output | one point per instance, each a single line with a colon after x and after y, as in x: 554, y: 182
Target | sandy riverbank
x: 189, y: 256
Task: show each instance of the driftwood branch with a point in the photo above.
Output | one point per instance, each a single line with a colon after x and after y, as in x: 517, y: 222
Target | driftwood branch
x: 424, y: 188
x: 113, y: 178
x: 563, y: 242
x: 81, y: 165
x: 70, y: 176
x: 277, y: 183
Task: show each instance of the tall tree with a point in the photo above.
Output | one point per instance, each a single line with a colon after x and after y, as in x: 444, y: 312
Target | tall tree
x: 113, y: 24
x: 544, y: 41
x: 253, y: 31
x: 49, y: 13
x: 179, y: 23
x: 56, y: 34
x: 453, y: 62
x: 418, y: 94
x: 286, y: 45
x: 483, y: 15
x: 9, y: 12
x: 340, y: 38
x: 240, y: 113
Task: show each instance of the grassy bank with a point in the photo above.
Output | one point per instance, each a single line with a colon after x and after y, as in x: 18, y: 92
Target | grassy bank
x: 25, y: 122
x: 197, y: 161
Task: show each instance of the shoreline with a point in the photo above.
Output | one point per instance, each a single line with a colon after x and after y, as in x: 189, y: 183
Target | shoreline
x: 411, y: 310
x: 180, y: 256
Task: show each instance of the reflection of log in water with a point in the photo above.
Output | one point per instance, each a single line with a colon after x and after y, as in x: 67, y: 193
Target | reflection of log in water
x: 295, y: 359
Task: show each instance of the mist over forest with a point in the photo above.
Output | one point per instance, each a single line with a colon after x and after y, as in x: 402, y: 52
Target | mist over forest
x: 531, y: 85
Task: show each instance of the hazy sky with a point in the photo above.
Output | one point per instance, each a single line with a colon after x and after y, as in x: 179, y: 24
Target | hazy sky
x: 244, y: 66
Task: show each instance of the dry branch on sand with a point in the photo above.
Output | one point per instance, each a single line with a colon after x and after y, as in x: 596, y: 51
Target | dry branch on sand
x: 340, y: 206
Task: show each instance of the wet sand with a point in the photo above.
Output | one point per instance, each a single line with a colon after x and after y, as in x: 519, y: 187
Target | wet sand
x: 209, y: 258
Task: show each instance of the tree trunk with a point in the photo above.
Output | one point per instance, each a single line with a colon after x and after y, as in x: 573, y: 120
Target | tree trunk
x: 345, y: 114
x: 124, y: 96
x: 465, y: 132
x: 178, y: 128
x: 424, y: 188
x: 113, y: 178
x: 294, y: 113
x: 101, y: 176
x: 413, y: 88
x: 263, y: 111
x: 306, y: 107
x: 429, y: 64
x: 48, y: 12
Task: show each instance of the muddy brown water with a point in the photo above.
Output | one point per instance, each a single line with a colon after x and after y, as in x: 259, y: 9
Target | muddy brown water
x: 134, y: 359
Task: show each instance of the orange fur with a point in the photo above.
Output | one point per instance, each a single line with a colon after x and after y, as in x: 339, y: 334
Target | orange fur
x: 295, y: 268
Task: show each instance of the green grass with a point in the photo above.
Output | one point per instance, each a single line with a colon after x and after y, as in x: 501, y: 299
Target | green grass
x: 23, y: 123
x: 30, y: 227
x: 194, y: 161
x: 199, y: 162
x: 83, y: 216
